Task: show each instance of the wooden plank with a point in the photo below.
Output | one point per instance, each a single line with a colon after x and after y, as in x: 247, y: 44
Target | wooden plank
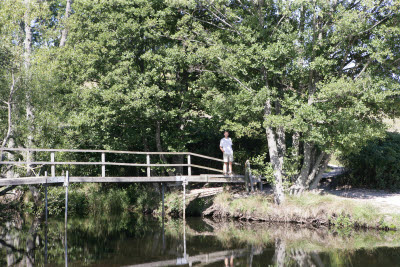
x: 206, y: 168
x: 135, y: 179
x: 233, y: 179
x: 91, y: 163
x: 138, y: 179
x: 92, y: 151
x: 211, y: 158
x: 22, y: 181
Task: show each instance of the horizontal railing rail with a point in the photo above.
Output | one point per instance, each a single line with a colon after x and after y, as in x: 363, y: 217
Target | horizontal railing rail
x: 104, y: 163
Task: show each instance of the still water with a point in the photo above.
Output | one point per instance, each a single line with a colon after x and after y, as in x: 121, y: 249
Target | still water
x: 131, y: 240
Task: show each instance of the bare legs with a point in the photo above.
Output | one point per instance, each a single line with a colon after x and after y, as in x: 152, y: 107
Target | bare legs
x: 226, y: 167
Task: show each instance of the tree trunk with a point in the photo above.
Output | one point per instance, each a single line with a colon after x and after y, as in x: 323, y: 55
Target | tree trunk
x: 320, y: 172
x: 279, y: 196
x: 159, y: 146
x: 9, y: 140
x: 315, y: 168
x: 281, y: 137
x: 27, y: 61
x: 295, y: 144
x: 64, y: 32
x: 300, y: 183
x: 280, y: 253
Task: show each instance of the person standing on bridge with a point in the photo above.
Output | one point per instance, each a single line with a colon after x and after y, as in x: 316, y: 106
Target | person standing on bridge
x: 226, y: 147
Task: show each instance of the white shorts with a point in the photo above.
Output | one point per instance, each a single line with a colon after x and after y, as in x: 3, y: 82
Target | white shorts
x: 228, y: 157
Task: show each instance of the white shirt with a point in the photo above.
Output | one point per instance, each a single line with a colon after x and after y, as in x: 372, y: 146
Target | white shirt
x: 226, y: 144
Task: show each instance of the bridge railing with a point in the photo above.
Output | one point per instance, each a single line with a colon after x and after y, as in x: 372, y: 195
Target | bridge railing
x: 102, y: 160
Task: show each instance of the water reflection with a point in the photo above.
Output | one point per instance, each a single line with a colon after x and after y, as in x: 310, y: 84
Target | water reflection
x: 128, y: 240
x: 18, y: 243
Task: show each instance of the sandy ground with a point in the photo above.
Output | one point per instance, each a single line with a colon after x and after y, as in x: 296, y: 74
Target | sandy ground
x: 387, y: 201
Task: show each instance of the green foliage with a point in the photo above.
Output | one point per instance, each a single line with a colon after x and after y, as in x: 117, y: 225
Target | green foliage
x: 78, y: 203
x: 143, y: 198
x: 94, y: 199
x: 259, y: 167
x: 109, y: 201
x: 376, y: 165
x: 173, y: 203
x: 342, y: 221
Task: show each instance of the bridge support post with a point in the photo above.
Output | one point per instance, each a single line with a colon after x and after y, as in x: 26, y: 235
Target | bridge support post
x: 162, y: 195
x: 45, y: 197
x: 184, y: 183
x: 66, y: 184
x: 246, y: 176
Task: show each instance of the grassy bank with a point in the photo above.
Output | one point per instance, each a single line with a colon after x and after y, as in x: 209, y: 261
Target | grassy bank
x: 309, y: 208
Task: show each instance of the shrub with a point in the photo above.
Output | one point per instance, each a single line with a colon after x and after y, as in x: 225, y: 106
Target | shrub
x: 377, y: 165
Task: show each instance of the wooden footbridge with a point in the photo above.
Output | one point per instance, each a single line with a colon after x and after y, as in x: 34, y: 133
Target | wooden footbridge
x: 201, y: 175
x: 204, y: 174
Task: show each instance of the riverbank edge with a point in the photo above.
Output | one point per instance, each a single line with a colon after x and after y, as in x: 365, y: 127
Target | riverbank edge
x: 308, y: 209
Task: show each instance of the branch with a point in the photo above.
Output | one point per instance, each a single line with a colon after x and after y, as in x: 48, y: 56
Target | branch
x: 5, y: 190
x: 365, y: 67
x: 223, y: 20
x: 236, y: 79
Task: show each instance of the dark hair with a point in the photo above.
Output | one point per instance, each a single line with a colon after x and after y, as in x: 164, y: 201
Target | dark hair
x: 226, y: 131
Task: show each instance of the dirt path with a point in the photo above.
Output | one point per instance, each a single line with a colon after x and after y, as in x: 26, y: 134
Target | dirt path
x: 386, y: 201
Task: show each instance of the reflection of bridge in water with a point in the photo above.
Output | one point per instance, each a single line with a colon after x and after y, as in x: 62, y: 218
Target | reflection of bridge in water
x: 278, y: 251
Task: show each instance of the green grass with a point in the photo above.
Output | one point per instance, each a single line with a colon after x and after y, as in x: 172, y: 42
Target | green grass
x: 343, y: 213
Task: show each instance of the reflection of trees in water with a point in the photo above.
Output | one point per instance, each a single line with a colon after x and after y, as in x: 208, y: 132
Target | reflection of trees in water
x: 20, y: 243
x: 105, y: 239
x: 295, y: 257
x: 300, y: 246
x: 22, y: 239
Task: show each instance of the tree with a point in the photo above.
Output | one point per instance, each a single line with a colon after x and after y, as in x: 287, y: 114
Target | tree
x: 318, y: 76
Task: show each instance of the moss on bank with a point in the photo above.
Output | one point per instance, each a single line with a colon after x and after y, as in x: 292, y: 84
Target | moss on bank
x: 173, y: 205
x: 309, y: 208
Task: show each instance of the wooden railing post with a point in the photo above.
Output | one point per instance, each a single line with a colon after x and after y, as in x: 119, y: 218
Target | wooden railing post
x: 148, y: 167
x: 248, y: 177
x: 28, y: 163
x: 103, y: 167
x: 189, y: 162
x: 53, y: 167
